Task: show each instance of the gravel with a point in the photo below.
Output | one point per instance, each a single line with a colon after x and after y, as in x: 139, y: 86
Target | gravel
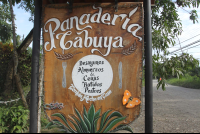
x: 176, y: 110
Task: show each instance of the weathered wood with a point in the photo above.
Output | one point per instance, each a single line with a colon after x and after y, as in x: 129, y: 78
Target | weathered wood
x: 26, y: 42
x: 20, y: 90
x: 129, y: 56
x: 91, y: 1
x: 40, y: 92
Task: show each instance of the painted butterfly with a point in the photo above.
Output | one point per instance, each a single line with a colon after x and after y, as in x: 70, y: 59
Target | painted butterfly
x: 132, y: 102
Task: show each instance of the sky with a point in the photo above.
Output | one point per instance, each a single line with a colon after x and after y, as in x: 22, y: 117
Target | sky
x: 190, y: 34
x: 24, y: 26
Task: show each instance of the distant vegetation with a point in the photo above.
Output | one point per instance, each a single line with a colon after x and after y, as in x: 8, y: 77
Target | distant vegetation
x: 190, y: 80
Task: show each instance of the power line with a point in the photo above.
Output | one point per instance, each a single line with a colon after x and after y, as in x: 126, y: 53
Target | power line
x: 193, y: 47
x: 186, y: 46
x: 186, y: 40
x: 191, y: 52
x: 190, y: 48
x: 184, y: 9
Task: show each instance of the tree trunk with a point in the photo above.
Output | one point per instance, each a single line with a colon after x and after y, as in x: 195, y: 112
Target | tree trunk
x: 20, y: 90
x: 26, y: 42
x: 15, y: 58
x: 8, y: 84
x: 40, y: 92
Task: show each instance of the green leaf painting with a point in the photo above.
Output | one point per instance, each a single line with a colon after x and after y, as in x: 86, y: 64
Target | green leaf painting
x: 87, y: 123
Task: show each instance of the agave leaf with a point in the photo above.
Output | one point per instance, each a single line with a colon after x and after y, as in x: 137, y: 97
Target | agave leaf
x: 56, y: 123
x: 87, y: 122
x: 122, y: 127
x: 115, y: 113
x: 94, y: 127
x: 62, y: 117
x: 78, y: 122
x: 77, y: 128
x: 97, y: 114
x: 61, y: 126
x: 103, y: 119
x: 84, y: 126
x: 49, y: 125
x: 85, y: 112
x: 95, y: 117
x: 91, y: 113
x: 112, y: 123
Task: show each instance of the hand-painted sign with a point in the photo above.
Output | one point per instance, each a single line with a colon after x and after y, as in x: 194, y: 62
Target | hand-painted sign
x: 93, y: 55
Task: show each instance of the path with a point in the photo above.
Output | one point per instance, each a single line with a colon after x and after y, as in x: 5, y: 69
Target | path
x: 176, y: 110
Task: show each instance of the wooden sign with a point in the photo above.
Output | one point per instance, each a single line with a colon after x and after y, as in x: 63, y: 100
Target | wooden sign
x: 92, y: 55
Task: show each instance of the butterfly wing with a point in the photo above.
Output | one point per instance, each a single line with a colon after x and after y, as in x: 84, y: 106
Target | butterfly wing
x: 136, y: 101
x: 126, y: 96
x: 127, y: 93
x: 133, y: 103
x: 125, y: 100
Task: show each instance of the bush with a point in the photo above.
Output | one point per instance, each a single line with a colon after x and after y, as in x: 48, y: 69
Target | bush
x: 13, y: 119
x: 187, y: 81
x: 44, y: 120
x: 24, y: 67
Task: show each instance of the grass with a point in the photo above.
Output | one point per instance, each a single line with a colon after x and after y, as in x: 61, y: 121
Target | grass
x: 53, y: 130
x: 187, y: 81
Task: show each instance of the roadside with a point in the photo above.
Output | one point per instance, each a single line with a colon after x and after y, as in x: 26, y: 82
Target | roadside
x: 187, y: 81
x: 175, y: 110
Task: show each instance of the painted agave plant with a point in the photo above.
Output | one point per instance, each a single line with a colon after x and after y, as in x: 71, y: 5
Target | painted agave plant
x: 88, y: 122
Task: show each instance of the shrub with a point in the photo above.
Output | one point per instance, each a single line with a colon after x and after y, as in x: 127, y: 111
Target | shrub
x: 24, y: 67
x: 13, y: 119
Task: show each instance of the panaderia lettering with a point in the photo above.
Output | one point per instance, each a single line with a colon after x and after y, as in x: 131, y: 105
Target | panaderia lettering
x: 85, y: 19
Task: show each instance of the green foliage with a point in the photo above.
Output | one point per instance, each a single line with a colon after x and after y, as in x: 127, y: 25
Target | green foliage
x: 190, y: 3
x: 174, y: 66
x: 13, y: 119
x: 166, y: 26
x: 13, y: 1
x: 24, y: 67
x: 194, y: 72
x: 28, y: 6
x: 44, y: 120
x: 87, y: 123
x: 5, y: 23
x: 187, y: 81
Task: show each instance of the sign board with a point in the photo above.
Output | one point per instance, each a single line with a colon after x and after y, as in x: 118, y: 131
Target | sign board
x: 92, y: 55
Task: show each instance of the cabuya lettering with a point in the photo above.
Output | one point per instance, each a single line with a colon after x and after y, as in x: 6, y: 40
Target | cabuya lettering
x: 87, y: 41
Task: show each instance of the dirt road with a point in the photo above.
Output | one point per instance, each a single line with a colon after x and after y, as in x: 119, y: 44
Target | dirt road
x: 176, y: 110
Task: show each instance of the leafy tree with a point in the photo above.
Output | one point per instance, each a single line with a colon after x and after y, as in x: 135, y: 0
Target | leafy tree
x: 5, y: 20
x: 28, y: 6
x: 174, y: 66
x: 15, y: 54
x: 166, y: 26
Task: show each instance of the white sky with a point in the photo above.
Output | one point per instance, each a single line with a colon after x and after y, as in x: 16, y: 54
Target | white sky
x: 190, y: 34
x: 189, y: 29
x: 22, y: 22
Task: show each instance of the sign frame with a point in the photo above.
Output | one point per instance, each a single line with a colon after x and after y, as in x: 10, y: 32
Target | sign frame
x: 148, y: 69
x: 125, y: 52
